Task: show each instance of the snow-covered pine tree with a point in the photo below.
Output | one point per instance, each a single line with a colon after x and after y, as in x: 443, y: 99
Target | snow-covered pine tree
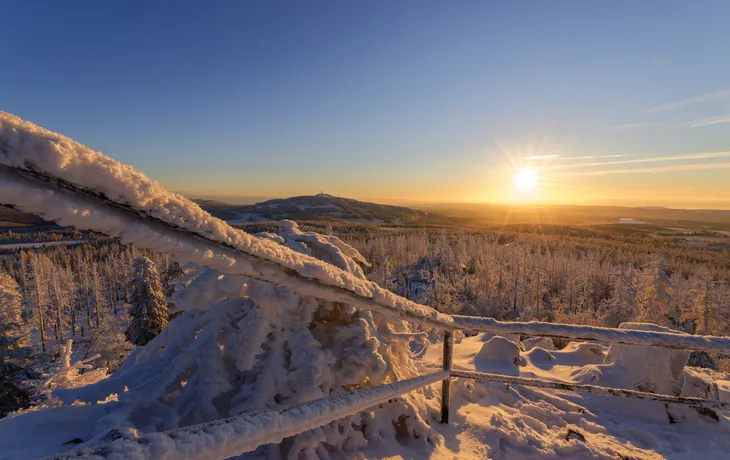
x: 100, y: 299
x: 40, y: 267
x: 703, y: 309
x: 619, y: 307
x: 243, y: 346
x: 14, y: 338
x: 172, y: 273
x: 654, y: 294
x: 148, y: 307
x: 13, y: 333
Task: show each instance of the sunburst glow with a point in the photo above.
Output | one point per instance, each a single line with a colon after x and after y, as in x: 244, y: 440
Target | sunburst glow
x: 526, y: 180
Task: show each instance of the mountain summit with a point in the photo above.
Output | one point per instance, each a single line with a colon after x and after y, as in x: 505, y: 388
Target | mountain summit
x: 313, y: 207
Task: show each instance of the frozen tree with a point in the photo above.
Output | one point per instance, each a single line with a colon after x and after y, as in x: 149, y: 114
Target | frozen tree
x: 172, y: 273
x: 109, y: 343
x: 703, y: 309
x: 67, y: 375
x: 619, y: 308
x: 100, y: 299
x: 61, y: 300
x: 654, y: 294
x: 39, y: 269
x: 149, y: 309
x: 13, y: 333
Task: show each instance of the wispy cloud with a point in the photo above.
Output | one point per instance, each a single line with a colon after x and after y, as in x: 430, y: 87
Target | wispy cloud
x: 654, y: 169
x: 591, y: 157
x: 690, y: 101
x: 562, y: 158
x: 682, y: 157
x: 638, y: 126
x: 711, y: 121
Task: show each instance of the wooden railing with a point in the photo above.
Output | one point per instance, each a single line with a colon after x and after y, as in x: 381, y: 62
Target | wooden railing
x: 247, y: 432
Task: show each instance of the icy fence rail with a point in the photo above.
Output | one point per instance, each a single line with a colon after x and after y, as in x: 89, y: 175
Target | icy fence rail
x: 233, y: 436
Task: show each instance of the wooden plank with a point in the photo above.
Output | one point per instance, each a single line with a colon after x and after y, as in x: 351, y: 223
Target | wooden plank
x: 670, y: 340
x: 446, y: 383
x: 229, y: 437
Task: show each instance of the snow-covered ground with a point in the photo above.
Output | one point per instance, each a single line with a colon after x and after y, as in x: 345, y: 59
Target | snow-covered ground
x: 495, y: 420
x: 488, y: 420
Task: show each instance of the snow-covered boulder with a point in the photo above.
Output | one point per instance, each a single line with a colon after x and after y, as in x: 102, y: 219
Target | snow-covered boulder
x: 656, y: 370
x: 542, y: 342
x: 581, y: 354
x: 487, y: 336
x: 699, y: 383
x: 498, y: 355
x: 539, y: 356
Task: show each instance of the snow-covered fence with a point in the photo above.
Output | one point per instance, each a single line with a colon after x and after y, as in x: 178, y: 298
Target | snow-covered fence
x: 233, y: 436
x: 600, y: 334
x: 49, y: 175
x: 589, y: 389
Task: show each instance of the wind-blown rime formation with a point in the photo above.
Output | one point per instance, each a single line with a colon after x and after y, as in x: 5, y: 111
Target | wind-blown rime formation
x: 242, y: 345
x: 245, y: 346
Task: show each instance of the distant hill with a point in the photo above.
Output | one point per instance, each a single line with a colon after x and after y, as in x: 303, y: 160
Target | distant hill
x: 10, y: 217
x: 642, y: 218
x: 315, y: 207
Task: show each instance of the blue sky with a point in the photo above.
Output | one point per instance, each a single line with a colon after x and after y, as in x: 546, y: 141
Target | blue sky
x: 401, y: 101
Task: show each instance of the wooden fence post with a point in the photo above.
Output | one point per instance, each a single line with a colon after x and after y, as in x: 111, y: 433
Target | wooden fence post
x: 446, y: 384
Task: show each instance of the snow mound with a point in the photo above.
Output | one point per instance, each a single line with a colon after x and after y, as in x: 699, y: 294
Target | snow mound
x: 498, y: 355
x: 699, y: 383
x: 539, y: 355
x: 542, y: 342
x: 581, y: 354
x: 656, y: 370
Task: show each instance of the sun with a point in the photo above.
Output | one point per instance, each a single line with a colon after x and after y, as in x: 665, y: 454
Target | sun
x: 526, y: 180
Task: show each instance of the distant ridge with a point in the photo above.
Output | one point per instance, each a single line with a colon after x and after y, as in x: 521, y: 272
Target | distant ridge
x: 317, y: 206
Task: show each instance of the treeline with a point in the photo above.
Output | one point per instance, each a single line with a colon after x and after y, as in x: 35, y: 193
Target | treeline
x: 106, y: 297
x: 555, y: 277
x: 79, y: 292
x: 35, y: 235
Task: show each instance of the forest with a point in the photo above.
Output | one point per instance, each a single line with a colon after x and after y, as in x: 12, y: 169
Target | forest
x: 110, y: 298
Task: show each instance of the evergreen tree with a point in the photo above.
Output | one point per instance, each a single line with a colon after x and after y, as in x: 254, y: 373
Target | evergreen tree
x: 654, y: 294
x: 703, y: 309
x: 173, y: 272
x: 13, y: 336
x: 149, y: 309
x: 12, y: 328
x: 40, y: 269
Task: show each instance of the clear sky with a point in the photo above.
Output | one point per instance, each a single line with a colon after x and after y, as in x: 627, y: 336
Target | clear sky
x: 400, y: 101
